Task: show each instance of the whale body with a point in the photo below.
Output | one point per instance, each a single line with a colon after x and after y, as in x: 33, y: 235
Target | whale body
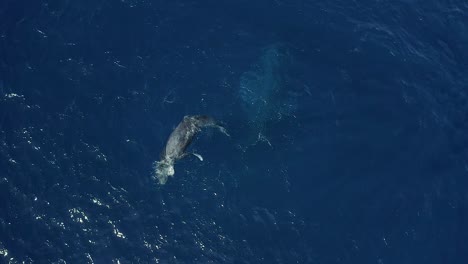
x: 178, y: 142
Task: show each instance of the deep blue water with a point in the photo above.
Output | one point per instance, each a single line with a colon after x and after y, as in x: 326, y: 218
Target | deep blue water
x: 348, y: 124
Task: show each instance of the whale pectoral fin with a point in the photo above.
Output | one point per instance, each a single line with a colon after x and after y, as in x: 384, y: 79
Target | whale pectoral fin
x: 198, y: 156
x: 223, y: 130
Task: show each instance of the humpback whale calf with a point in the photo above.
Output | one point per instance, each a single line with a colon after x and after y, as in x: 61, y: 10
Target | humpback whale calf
x: 178, y: 142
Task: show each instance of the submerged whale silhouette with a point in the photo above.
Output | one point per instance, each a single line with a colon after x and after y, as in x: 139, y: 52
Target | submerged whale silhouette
x: 178, y: 142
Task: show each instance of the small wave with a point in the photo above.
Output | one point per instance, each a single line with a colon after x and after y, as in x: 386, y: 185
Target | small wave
x: 163, y: 170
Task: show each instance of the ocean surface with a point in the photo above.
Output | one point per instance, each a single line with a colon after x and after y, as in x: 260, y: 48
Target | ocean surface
x: 348, y: 125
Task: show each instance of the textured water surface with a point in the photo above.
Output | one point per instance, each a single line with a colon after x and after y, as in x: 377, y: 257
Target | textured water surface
x: 347, y: 121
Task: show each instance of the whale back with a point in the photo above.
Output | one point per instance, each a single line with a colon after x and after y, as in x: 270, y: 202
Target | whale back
x: 183, y: 135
